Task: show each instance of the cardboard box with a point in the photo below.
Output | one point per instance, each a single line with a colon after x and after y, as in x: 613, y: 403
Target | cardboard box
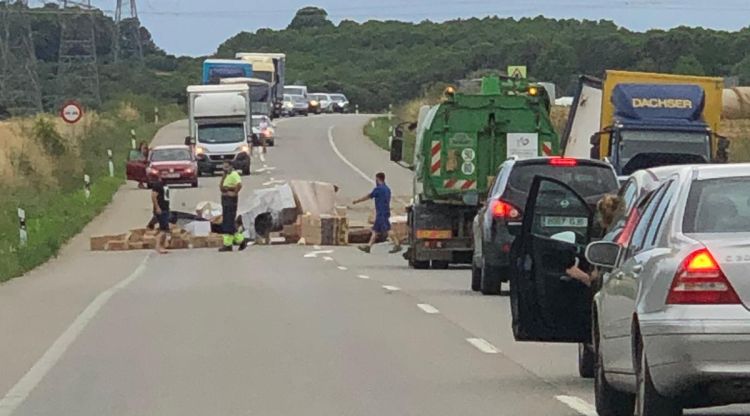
x: 359, y: 235
x: 292, y: 233
x: 100, y: 243
x: 310, y: 229
x: 135, y: 245
x: 179, y: 243
x: 117, y: 245
x: 199, y: 241
x: 215, y: 240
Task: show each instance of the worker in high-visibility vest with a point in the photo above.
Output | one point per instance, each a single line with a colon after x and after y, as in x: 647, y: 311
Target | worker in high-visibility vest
x: 230, y: 186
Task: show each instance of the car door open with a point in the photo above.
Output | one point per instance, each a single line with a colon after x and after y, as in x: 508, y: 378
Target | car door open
x: 546, y: 304
x: 135, y: 168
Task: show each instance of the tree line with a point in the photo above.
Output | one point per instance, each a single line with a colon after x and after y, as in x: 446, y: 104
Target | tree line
x: 377, y: 63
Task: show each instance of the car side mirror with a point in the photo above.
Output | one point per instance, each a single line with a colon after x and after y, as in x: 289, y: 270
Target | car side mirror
x: 514, y: 228
x: 603, y: 253
x: 397, y: 149
x: 189, y: 141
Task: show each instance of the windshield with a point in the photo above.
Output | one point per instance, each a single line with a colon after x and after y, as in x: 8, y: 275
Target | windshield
x: 294, y: 91
x: 264, y: 75
x: 298, y: 99
x: 337, y: 97
x: 635, y: 142
x: 257, y: 120
x: 221, y: 133
x: 259, y: 93
x: 718, y: 206
x: 586, y: 180
x: 169, y: 155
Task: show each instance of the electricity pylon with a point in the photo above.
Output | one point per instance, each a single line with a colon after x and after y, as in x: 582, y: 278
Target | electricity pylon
x: 77, y: 69
x: 127, y: 39
x: 20, y: 93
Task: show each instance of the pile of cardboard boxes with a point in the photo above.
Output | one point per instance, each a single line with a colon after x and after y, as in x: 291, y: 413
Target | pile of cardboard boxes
x: 316, y: 220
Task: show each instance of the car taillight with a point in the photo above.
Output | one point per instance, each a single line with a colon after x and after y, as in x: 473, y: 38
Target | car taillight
x: 700, y: 281
x: 563, y: 161
x: 504, y: 210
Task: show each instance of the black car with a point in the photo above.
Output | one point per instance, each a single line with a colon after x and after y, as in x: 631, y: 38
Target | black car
x: 505, y: 204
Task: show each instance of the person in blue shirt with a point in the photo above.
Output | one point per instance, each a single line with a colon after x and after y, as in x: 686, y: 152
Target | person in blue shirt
x: 382, y: 227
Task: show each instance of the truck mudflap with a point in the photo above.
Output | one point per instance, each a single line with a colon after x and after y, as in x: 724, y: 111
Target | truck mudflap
x: 440, y: 233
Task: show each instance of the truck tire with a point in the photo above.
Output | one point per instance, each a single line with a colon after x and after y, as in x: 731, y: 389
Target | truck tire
x: 476, y: 278
x: 440, y: 264
x: 490, y: 284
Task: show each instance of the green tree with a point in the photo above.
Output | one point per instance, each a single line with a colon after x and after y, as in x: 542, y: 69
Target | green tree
x: 688, y: 65
x: 742, y: 70
x: 310, y: 17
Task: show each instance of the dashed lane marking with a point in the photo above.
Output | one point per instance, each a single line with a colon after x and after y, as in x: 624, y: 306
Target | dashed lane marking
x: 579, y: 405
x: 328, y: 258
x: 482, y: 345
x: 314, y: 254
x: 18, y: 393
x: 391, y: 288
x: 342, y: 268
x: 363, y: 276
x: 427, y: 308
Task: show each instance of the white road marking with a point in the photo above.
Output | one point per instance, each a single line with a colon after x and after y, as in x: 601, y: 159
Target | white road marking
x: 579, y: 405
x: 314, y: 254
x: 344, y: 159
x: 272, y: 182
x: 18, y: 393
x: 391, y: 288
x: 363, y: 276
x: 317, y: 247
x: 427, y: 308
x: 342, y: 268
x: 483, y: 345
x: 328, y: 258
x: 262, y: 158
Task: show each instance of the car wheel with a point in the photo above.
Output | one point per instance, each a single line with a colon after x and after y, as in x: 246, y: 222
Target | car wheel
x: 476, y: 278
x: 586, y: 361
x: 440, y: 264
x: 490, y: 284
x: 194, y: 184
x: 650, y: 402
x: 609, y: 402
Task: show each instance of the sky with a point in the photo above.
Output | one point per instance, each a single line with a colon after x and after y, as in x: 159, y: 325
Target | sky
x: 198, y: 27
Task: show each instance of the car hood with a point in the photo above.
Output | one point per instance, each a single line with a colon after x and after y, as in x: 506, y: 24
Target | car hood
x: 170, y: 164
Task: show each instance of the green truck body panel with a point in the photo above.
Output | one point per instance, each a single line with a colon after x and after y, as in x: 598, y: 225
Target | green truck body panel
x: 462, y: 141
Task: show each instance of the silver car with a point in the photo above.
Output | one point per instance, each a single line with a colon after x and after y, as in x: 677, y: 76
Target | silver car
x: 671, y: 325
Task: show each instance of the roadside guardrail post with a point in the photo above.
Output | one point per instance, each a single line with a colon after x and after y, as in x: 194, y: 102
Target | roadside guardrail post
x: 23, y: 236
x: 87, y: 186
x: 110, y: 163
x: 390, y: 136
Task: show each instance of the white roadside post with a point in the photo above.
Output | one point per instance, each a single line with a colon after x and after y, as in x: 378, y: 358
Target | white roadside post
x: 23, y: 236
x: 390, y: 112
x: 356, y: 109
x: 390, y: 136
x: 87, y: 186
x: 132, y: 139
x: 156, y: 115
x: 110, y: 163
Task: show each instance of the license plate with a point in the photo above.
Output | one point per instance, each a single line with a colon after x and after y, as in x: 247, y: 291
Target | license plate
x: 573, y: 222
x: 170, y: 175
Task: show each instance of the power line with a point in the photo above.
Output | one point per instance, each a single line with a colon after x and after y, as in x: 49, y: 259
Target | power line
x: 20, y: 93
x: 127, y: 32
x: 77, y: 68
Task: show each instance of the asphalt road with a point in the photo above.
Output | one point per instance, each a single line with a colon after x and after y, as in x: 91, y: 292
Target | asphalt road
x: 275, y: 330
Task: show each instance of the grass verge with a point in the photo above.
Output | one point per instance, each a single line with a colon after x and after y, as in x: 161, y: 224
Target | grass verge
x: 378, y: 131
x: 56, y: 208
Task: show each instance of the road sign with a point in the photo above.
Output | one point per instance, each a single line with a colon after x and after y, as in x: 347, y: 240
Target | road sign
x: 71, y: 112
x: 517, y: 71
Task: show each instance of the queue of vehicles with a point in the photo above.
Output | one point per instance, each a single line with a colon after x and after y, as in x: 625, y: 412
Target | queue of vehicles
x: 665, y: 325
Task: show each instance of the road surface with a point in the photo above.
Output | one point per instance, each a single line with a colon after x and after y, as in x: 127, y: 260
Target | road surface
x: 280, y: 330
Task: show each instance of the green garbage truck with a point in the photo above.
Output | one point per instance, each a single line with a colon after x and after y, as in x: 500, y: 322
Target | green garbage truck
x: 460, y: 143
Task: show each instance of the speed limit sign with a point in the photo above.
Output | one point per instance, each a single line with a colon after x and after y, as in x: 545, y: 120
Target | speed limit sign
x: 71, y: 112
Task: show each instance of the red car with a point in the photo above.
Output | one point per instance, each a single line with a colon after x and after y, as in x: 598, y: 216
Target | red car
x: 175, y: 165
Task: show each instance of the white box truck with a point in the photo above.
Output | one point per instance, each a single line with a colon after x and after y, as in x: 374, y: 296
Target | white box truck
x: 220, y: 124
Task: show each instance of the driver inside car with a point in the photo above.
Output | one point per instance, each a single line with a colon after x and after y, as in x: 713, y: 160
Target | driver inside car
x: 611, y: 219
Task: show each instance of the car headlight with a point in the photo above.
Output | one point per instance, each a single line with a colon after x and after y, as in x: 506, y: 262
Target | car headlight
x: 314, y: 103
x: 153, y: 171
x: 200, y: 150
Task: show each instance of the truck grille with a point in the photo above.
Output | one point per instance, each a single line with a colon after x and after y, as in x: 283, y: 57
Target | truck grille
x: 221, y: 157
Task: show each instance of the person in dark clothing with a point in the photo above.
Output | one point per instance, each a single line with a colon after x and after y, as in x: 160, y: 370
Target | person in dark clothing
x: 160, y: 202
x: 143, y: 148
x: 382, y: 227
x: 230, y: 186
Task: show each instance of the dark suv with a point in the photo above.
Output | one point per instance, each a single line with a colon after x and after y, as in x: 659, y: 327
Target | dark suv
x: 507, y: 199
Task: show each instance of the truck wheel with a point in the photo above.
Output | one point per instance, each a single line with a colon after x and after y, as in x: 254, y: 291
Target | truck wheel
x: 586, y: 361
x: 476, y: 278
x: 440, y: 264
x: 490, y: 284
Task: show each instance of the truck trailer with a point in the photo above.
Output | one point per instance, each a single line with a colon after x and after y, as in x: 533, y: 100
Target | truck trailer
x: 214, y: 70
x: 272, y: 68
x: 639, y: 120
x: 220, y: 125
x: 459, y: 146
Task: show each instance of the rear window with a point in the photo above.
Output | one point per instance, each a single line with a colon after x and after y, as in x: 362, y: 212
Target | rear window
x: 718, y: 206
x: 586, y: 180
